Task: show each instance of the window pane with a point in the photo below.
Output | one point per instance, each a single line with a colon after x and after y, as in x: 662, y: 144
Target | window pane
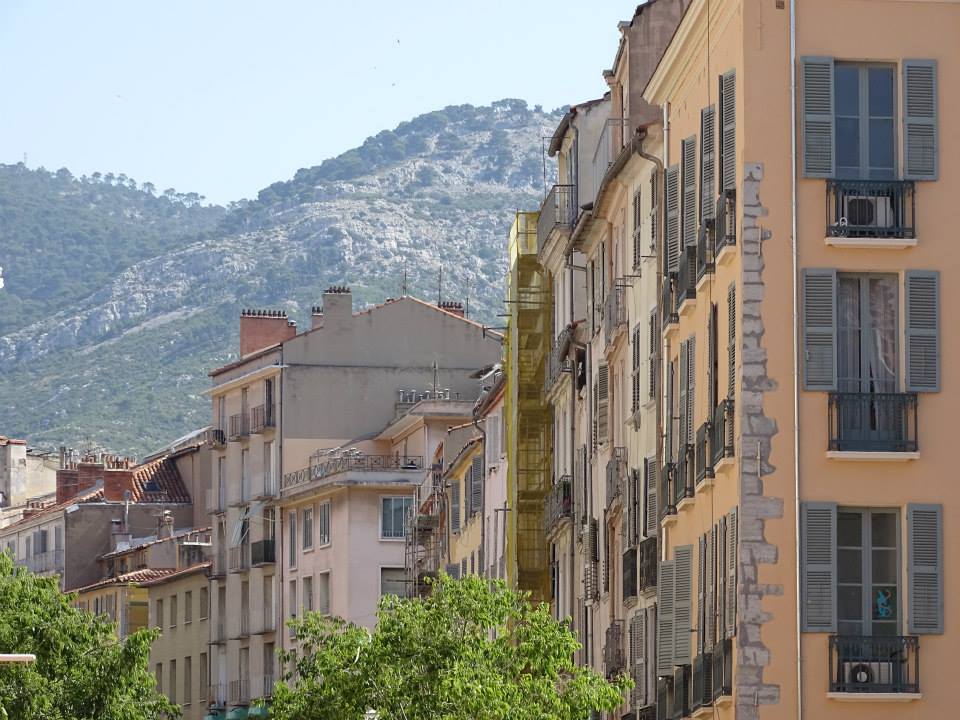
x: 883, y: 602
x: 881, y: 148
x: 850, y: 602
x: 848, y: 529
x: 885, y: 566
x: 385, y: 520
x: 882, y: 351
x: 848, y: 143
x: 881, y: 90
x: 884, y: 530
x: 849, y: 566
x: 847, y: 89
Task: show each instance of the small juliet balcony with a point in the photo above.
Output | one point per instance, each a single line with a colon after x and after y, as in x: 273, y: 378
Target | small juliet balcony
x: 557, y: 362
x: 262, y: 418
x: 263, y: 552
x: 702, y: 682
x: 240, y: 558
x: 706, y: 248
x: 615, y: 312
x: 559, y: 503
x: 669, y: 315
x: 614, y: 660
x: 704, y: 452
x: 685, y: 480
x: 216, y: 437
x: 721, y: 677
x: 558, y: 212
x: 647, y: 564
x: 721, y: 433
x: 687, y: 277
x: 863, y: 211
x: 666, y: 481
x: 873, y: 423
x: 861, y: 665
x: 616, y: 475
x: 725, y: 224
x: 239, y: 427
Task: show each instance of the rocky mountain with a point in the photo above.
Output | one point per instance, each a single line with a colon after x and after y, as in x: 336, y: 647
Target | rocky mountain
x: 116, y: 351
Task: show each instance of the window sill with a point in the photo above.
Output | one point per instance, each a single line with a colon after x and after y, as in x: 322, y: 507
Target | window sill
x: 702, y: 712
x: 874, y: 697
x: 399, y: 539
x: 853, y: 456
x: 723, y: 701
x: 726, y: 255
x: 876, y: 243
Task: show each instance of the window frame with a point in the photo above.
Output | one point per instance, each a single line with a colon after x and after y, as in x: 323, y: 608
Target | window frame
x: 306, y: 528
x: 864, y: 117
x: 324, y: 518
x: 292, y: 539
x: 392, y: 567
x: 408, y: 500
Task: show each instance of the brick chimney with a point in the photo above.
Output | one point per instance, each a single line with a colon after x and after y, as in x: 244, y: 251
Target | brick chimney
x: 116, y: 482
x: 72, y: 481
x: 451, y: 306
x: 262, y: 328
x: 337, y: 306
x: 316, y: 317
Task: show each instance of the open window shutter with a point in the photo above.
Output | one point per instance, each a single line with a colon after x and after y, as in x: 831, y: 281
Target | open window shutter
x: 731, y: 339
x: 731, y: 619
x: 637, y: 224
x: 711, y: 613
x: 708, y: 163
x: 818, y: 567
x: 711, y: 358
x: 720, y: 548
x: 594, y: 420
x: 654, y: 211
x: 652, y: 332
x: 920, y: 120
x: 701, y: 592
x: 638, y: 654
x: 922, y: 329
x: 818, y: 118
x: 668, y: 441
x: 603, y: 405
x: 682, y: 599
x: 925, y: 568
x: 820, y: 329
x: 638, y: 518
x: 636, y: 376
x: 688, y: 152
x: 665, y: 582
x: 651, y: 519
x: 728, y: 130
x: 476, y: 489
x: 691, y: 388
x: 454, y: 506
x: 684, y: 376
x: 672, y: 226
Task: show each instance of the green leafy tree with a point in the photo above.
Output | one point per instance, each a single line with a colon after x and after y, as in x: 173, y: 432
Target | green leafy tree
x: 82, y: 671
x: 472, y: 650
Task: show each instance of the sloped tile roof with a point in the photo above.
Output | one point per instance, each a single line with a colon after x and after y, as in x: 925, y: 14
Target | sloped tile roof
x: 135, y: 577
x: 159, y: 481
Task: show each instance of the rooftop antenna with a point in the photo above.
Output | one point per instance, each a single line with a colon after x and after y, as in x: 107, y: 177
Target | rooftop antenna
x: 436, y: 382
x: 440, y: 286
x: 403, y: 289
x: 466, y: 306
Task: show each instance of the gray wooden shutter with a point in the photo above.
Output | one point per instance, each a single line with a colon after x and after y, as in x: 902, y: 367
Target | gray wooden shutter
x: 708, y: 162
x: 701, y: 592
x: 731, y: 339
x: 925, y: 568
x: 636, y: 376
x: 721, y: 587
x: 820, y: 329
x: 672, y: 221
x: 603, y: 405
x: 654, y: 211
x: 682, y: 603
x: 688, y: 154
x: 691, y: 388
x: 669, y: 439
x: 476, y: 486
x: 922, y: 330
x: 651, y: 478
x: 818, y: 567
x: 455, y: 506
x: 653, y: 340
x: 638, y: 654
x: 728, y: 130
x: 731, y: 619
x: 684, y: 378
x: 711, y: 618
x: 711, y: 359
x: 665, y: 605
x: 920, y: 152
x: 637, y: 224
x: 818, y: 118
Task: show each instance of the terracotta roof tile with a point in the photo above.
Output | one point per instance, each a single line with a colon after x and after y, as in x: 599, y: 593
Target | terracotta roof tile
x: 134, y: 577
x: 176, y: 575
x: 159, y: 481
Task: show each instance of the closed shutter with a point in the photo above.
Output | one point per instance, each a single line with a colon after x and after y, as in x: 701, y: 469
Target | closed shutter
x: 638, y: 655
x: 654, y: 211
x: 594, y: 422
x: 731, y: 619
x: 605, y: 561
x: 922, y: 329
x: 701, y: 592
x: 665, y: 582
x: 688, y: 154
x: 682, y: 599
x: 637, y: 524
x: 818, y: 567
x: 711, y: 360
x: 818, y: 116
x: 603, y: 407
x: 476, y: 486
x: 654, y: 344
x: 637, y: 224
x: 820, y: 329
x: 925, y: 568
x: 731, y: 339
x: 668, y: 441
x: 684, y: 379
x: 691, y: 388
x: 637, y: 375
x: 920, y: 151
x: 672, y: 221
x: 711, y: 587
x: 720, y: 548
x: 728, y: 130
x: 454, y: 506
x: 708, y: 162
x: 650, y: 465
x: 626, y: 517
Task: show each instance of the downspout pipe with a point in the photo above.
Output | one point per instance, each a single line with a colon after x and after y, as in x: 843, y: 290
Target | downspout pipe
x: 796, y: 345
x: 575, y: 346
x: 483, y: 491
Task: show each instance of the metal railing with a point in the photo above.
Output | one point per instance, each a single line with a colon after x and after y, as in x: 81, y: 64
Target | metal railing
x: 48, y: 561
x: 864, y: 664
x: 630, y: 571
x: 870, y: 208
x: 245, y: 623
x: 219, y: 568
x: 240, y: 558
x: 559, y: 503
x: 721, y: 432
x: 613, y: 137
x: 726, y: 223
x: 559, y: 210
x: 556, y: 362
x: 706, y: 245
x: 261, y: 418
x: 702, y: 682
x: 647, y: 563
x: 666, y: 481
x: 216, y: 437
x: 616, y: 474
x: 347, y: 463
x: 615, y: 312
x: 873, y: 422
x: 614, y: 660
x: 668, y: 301
x: 239, y: 426
x: 263, y: 552
x: 268, y: 685
x: 704, y: 452
x: 239, y: 692
x: 683, y: 486
x: 217, y: 694
x: 268, y: 623
x: 687, y: 275
x: 722, y: 674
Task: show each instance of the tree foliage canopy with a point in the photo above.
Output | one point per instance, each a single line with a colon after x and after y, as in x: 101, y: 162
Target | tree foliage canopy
x: 82, y: 671
x: 472, y: 650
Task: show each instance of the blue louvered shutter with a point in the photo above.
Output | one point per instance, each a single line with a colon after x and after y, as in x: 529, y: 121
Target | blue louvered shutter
x: 925, y: 568
x: 708, y: 162
x: 922, y: 330
x: 818, y: 567
x: 672, y: 218
x: 682, y: 603
x: 818, y: 117
x: 820, y: 329
x: 688, y: 154
x: 665, y: 628
x: 920, y: 151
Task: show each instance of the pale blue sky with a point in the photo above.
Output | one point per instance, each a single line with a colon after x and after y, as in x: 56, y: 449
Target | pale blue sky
x: 224, y: 97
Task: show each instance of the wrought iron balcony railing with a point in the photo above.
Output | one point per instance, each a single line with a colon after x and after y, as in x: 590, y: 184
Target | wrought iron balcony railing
x: 268, y: 686
x: 685, y: 482
x: 559, y: 210
x: 681, y: 692
x: 614, y: 660
x: 48, y: 561
x: 870, y: 208
x: 217, y: 695
x: 556, y: 362
x: 666, y: 481
x: 559, y: 502
x: 647, y: 562
x: 616, y: 474
x: 721, y: 432
x: 687, y: 276
x: 864, y: 664
x: 704, y: 452
x: 873, y: 422
x: 706, y: 244
x: 668, y: 301
x: 239, y: 692
x: 702, y: 682
x: 348, y: 463
x: 239, y: 426
x: 615, y: 312
x: 262, y: 418
x: 216, y: 437
x: 263, y: 552
x: 726, y: 221
x: 240, y: 558
x: 722, y: 674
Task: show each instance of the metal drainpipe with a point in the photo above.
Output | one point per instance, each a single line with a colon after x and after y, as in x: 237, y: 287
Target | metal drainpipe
x: 573, y: 451
x: 483, y: 490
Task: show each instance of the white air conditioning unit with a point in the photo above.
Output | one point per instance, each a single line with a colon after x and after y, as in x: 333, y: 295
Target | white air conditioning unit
x: 868, y: 211
x: 863, y: 673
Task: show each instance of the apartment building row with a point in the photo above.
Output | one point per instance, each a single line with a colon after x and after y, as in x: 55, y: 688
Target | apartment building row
x: 733, y: 476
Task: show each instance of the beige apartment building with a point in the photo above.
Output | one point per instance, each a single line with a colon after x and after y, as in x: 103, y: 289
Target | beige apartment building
x: 28, y: 479
x: 359, y: 403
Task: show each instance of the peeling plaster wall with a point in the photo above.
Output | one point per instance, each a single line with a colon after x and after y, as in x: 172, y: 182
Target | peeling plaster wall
x: 756, y: 433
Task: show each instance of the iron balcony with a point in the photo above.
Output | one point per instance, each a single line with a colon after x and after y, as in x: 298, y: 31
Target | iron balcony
x: 261, y: 419
x: 726, y: 222
x: 263, y: 552
x: 873, y: 422
x: 870, y: 209
x: 721, y: 432
x: 687, y: 275
x: 559, y: 503
x: 559, y: 210
x: 239, y: 426
x: 647, y: 551
x: 865, y: 664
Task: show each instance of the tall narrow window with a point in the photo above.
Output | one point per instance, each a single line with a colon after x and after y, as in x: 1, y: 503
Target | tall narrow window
x: 864, y: 106
x: 393, y: 515
x: 867, y: 333
x: 308, y: 528
x: 323, y: 523
x: 868, y: 597
x: 292, y: 538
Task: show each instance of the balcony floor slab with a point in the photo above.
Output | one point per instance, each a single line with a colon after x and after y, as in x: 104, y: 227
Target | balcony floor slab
x: 852, y: 456
x: 874, y: 697
x: 873, y: 243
